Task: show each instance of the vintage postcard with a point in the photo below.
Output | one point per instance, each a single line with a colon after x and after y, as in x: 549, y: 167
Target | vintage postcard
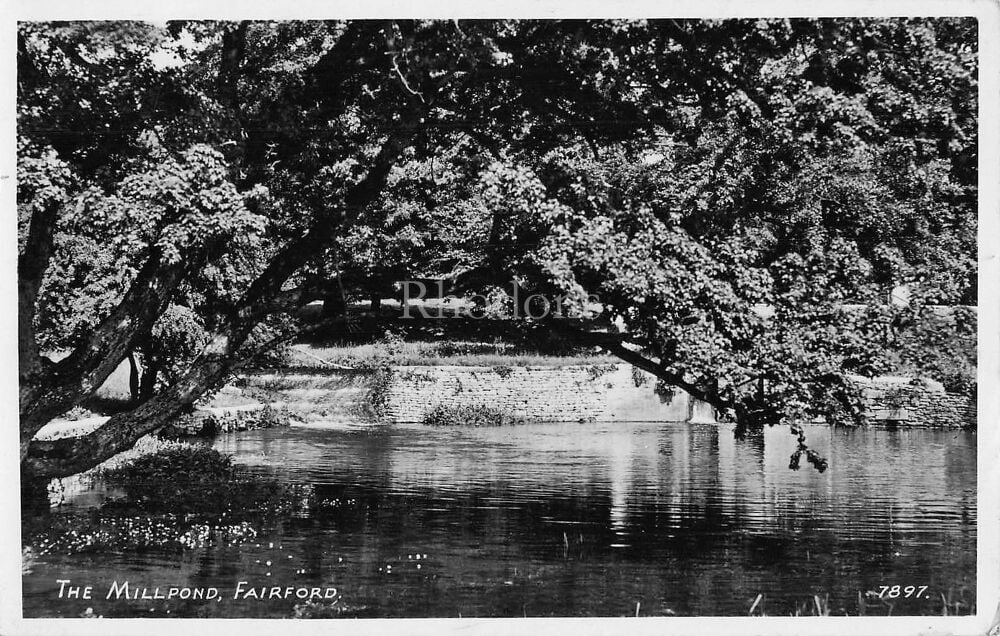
x: 514, y: 318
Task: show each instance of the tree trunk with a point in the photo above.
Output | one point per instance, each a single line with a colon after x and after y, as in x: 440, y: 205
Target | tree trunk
x: 148, y: 385
x: 333, y: 306
x: 133, y: 377
x: 46, y: 395
x: 68, y: 456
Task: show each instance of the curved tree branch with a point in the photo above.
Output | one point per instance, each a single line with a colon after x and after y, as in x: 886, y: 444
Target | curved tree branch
x: 615, y: 344
x: 84, y: 371
x: 81, y: 373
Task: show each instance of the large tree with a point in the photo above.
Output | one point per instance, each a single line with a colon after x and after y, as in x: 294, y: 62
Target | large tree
x: 750, y: 253
x: 689, y: 172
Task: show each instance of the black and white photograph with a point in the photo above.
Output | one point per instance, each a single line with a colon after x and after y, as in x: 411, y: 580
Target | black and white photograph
x: 502, y: 317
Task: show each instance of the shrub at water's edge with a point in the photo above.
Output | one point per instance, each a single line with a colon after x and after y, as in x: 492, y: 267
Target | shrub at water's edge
x: 208, y: 423
x: 181, y: 497
x: 941, y: 345
x: 378, y: 392
x: 190, y: 479
x: 466, y: 415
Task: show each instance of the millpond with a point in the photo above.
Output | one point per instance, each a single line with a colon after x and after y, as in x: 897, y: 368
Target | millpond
x: 575, y: 519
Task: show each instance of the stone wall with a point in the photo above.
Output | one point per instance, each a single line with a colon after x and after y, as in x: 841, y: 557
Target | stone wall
x: 607, y: 392
x: 914, y: 402
x: 603, y: 393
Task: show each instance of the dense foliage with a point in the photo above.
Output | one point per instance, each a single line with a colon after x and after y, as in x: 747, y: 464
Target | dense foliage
x: 741, y: 195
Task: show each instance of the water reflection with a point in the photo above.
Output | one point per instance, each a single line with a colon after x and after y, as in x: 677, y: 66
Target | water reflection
x: 589, y: 519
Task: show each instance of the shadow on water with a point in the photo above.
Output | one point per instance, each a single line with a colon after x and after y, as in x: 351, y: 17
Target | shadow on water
x: 579, y: 520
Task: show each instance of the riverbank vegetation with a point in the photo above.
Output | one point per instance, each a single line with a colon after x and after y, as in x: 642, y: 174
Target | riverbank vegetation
x: 387, y: 339
x: 757, y: 177
x: 938, y: 344
x: 446, y: 353
x: 178, y: 497
x: 470, y: 415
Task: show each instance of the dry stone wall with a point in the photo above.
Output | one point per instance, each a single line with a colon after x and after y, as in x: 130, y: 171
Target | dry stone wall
x: 914, y: 402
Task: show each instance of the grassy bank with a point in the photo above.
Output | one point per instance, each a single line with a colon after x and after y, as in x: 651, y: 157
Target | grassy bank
x: 447, y: 353
x: 372, y: 341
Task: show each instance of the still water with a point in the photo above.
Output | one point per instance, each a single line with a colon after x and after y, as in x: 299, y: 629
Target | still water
x: 579, y: 520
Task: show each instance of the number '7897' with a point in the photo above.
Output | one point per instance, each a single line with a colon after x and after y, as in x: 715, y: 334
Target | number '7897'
x: 897, y: 591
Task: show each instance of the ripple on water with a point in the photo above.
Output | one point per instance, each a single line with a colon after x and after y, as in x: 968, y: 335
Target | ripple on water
x: 588, y: 519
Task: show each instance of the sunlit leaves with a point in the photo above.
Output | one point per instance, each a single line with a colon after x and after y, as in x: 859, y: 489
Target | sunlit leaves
x: 43, y: 179
x: 741, y: 194
x: 184, y: 207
